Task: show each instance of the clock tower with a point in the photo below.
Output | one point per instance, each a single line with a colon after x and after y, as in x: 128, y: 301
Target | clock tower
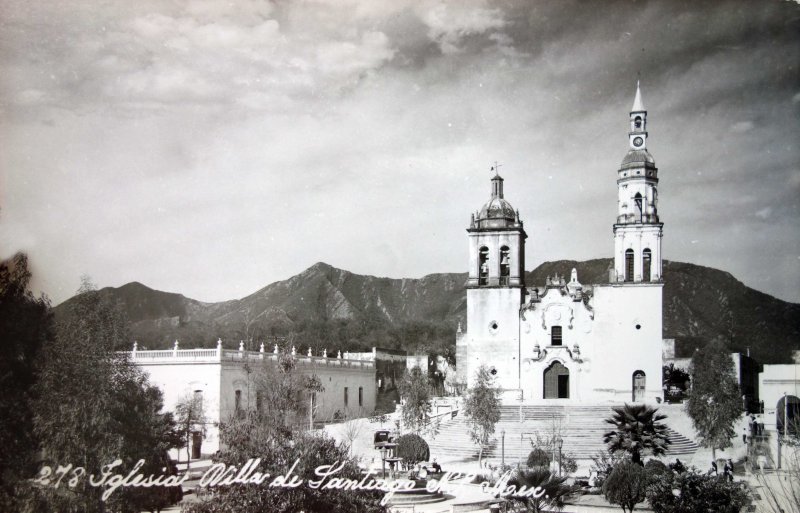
x: 638, y: 231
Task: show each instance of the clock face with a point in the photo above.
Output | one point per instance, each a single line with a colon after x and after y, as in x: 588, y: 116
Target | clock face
x: 638, y: 141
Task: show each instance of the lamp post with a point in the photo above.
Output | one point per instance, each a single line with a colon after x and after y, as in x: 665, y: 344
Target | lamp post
x: 560, y: 444
x: 383, y: 461
x: 503, y: 449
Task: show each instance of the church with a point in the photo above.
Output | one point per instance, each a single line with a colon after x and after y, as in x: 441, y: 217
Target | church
x: 566, y: 342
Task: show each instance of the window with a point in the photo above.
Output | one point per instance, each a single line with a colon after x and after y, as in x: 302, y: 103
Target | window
x: 259, y: 400
x: 637, y: 122
x: 345, y: 397
x: 361, y: 396
x: 629, y: 265
x: 646, y: 260
x: 238, y: 400
x: 483, y: 266
x: 555, y: 336
x: 198, y: 397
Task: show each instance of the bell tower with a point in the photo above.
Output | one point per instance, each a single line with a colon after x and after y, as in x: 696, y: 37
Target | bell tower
x: 638, y: 231
x: 495, y: 290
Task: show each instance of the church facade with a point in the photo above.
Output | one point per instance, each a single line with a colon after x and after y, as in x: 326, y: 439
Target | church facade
x: 565, y: 342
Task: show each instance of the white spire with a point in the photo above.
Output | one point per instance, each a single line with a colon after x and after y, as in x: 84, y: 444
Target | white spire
x: 638, y: 106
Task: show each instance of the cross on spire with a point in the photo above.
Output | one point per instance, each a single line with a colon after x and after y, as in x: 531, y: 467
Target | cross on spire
x: 496, y: 168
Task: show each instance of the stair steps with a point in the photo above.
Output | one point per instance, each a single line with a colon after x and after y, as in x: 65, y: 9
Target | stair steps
x: 581, y: 427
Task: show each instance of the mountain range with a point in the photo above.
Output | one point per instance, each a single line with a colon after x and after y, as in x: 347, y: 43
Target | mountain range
x: 330, y: 307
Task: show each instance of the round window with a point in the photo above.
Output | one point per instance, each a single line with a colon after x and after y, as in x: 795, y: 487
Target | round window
x: 493, y: 327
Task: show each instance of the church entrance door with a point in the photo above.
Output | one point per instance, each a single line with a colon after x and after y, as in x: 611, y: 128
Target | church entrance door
x: 638, y: 386
x: 556, y: 382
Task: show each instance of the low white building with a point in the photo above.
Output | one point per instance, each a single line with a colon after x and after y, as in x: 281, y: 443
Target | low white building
x: 220, y: 378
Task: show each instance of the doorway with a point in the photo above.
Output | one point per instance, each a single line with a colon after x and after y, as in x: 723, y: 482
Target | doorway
x: 556, y: 381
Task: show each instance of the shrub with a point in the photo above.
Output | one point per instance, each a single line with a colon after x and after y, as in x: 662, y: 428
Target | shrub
x: 691, y: 491
x: 626, y: 485
x: 538, y: 458
x: 654, y: 468
x: 413, y: 449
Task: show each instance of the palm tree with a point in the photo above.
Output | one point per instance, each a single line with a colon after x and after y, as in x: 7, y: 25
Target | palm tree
x: 637, y: 429
x: 556, y: 491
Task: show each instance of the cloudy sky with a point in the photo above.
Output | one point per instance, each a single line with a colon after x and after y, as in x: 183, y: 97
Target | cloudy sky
x: 213, y: 147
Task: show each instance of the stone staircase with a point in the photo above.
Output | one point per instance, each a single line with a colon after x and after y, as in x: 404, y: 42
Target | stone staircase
x: 581, y: 428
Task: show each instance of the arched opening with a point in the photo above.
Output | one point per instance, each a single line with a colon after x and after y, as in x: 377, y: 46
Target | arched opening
x: 556, y: 381
x: 637, y: 205
x: 787, y: 415
x: 637, y: 122
x: 483, y: 266
x: 505, y: 265
x: 629, y: 265
x: 647, y: 258
x: 639, y: 382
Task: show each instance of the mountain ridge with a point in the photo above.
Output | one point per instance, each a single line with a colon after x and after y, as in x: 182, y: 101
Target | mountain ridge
x: 327, y: 305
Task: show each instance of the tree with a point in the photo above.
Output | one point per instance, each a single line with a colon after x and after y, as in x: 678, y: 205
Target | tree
x: 637, y: 430
x: 416, y: 395
x: 92, y: 406
x: 538, y: 458
x: 190, y: 417
x: 413, y: 449
x: 714, y: 402
x: 556, y: 491
x: 25, y: 326
x: 482, y: 409
x: 626, y: 485
x: 691, y: 491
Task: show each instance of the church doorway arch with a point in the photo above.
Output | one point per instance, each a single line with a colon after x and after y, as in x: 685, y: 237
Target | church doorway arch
x: 556, y: 381
x: 639, y: 385
x: 788, y: 408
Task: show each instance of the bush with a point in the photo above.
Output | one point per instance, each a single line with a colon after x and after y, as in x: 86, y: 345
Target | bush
x: 692, y: 491
x: 654, y: 468
x: 626, y: 485
x: 413, y: 449
x: 538, y: 458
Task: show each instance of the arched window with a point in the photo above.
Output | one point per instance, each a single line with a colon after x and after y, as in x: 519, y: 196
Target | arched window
x: 787, y: 415
x: 637, y: 205
x: 556, y: 381
x: 639, y: 382
x: 647, y: 258
x: 637, y: 122
x: 483, y: 266
x: 629, y: 265
x: 505, y: 265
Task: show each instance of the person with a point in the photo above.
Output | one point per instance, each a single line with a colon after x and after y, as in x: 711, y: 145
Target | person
x: 744, y: 436
x: 423, y: 473
x: 678, y: 466
x: 729, y: 470
x: 714, y: 469
x: 437, y: 469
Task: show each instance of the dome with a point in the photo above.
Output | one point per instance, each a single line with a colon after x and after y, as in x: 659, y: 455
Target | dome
x: 497, y: 212
x: 638, y: 158
x: 497, y: 208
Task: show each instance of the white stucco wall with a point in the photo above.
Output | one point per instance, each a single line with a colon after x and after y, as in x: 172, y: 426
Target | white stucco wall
x: 220, y: 373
